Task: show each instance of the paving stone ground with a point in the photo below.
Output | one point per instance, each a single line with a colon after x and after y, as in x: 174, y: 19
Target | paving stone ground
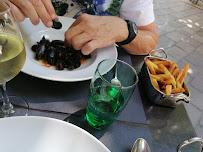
x: 180, y: 27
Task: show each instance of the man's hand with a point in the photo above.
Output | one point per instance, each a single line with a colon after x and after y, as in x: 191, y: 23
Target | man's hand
x: 35, y: 10
x: 89, y: 32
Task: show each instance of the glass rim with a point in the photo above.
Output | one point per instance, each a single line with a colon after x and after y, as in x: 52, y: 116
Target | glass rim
x: 132, y: 68
x: 9, y: 7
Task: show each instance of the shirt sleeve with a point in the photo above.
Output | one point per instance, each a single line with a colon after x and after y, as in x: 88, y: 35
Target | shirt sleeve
x: 139, y: 11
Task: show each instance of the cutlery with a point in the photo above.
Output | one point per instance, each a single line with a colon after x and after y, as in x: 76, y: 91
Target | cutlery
x: 115, y: 80
x: 141, y: 145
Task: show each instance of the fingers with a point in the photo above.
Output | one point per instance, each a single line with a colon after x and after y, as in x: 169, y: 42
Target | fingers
x: 45, y: 11
x: 80, y: 40
x: 78, y: 20
x: 50, y: 9
x: 72, y: 32
x: 37, y: 9
x: 89, y: 32
x: 42, y: 12
x: 28, y: 9
x: 90, y: 47
x: 18, y: 15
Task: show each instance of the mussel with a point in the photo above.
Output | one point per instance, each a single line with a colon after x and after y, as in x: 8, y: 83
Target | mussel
x: 40, y: 48
x: 52, y: 55
x: 56, y: 24
x: 57, y: 54
x: 40, y: 53
x: 60, y: 65
x: 35, y: 47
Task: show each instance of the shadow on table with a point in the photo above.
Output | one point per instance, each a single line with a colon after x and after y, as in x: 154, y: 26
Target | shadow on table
x: 110, y: 136
x: 35, y: 90
x: 79, y: 119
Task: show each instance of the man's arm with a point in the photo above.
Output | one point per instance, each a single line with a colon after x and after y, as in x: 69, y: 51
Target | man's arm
x: 89, y: 32
x: 144, y: 42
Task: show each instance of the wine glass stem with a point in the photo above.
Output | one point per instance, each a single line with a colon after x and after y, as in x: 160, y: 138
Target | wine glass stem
x: 7, y: 107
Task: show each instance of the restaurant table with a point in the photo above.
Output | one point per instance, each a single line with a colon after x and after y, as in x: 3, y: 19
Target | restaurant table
x: 162, y: 127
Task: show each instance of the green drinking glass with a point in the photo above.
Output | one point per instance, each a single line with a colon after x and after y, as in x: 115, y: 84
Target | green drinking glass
x: 110, y: 90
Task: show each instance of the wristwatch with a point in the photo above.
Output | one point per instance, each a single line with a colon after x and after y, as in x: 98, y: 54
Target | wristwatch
x: 133, y: 31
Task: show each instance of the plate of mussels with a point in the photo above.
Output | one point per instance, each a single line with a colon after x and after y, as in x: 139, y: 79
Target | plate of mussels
x: 48, y: 58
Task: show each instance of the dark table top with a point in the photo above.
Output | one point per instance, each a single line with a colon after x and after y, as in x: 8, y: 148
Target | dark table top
x: 168, y: 126
x: 164, y: 130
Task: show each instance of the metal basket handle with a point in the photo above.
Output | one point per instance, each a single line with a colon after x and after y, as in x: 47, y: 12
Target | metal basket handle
x: 159, y: 50
x: 189, y: 141
x: 182, y: 97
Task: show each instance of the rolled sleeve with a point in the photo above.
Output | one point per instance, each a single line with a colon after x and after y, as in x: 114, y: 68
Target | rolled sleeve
x: 139, y: 11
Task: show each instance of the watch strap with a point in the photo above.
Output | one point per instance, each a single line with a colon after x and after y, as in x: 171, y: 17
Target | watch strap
x: 131, y: 34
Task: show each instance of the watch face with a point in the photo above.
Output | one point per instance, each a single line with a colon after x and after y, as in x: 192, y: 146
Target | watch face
x: 135, y: 28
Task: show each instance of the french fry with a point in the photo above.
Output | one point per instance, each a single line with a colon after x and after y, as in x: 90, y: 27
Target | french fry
x: 166, y: 76
x: 176, y: 72
x: 179, y: 75
x: 155, y: 83
x: 182, y: 78
x: 156, y: 68
x: 150, y: 66
x: 172, y: 66
x: 163, y: 87
x: 168, y: 89
x: 168, y: 82
x: 166, y: 63
x: 178, y: 90
x: 156, y: 77
x: 168, y: 73
x: 178, y: 84
x: 165, y: 82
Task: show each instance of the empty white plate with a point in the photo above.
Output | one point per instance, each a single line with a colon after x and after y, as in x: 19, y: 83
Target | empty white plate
x: 43, y: 134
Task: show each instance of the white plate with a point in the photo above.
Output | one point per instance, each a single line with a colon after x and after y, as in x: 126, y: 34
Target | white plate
x: 41, y: 134
x: 32, y: 34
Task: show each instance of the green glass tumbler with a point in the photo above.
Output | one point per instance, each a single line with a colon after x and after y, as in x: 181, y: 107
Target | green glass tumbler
x: 106, y: 99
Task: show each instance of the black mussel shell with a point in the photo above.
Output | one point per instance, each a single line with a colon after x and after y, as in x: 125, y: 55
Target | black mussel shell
x: 40, y: 53
x: 52, y: 56
x: 70, y: 62
x: 56, y: 24
x: 85, y: 56
x: 75, y: 54
x: 35, y: 47
x: 60, y: 65
x: 56, y: 43
x: 62, y: 53
x: 44, y: 41
x: 77, y: 64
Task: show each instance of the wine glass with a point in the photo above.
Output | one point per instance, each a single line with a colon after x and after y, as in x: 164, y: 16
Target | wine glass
x: 12, y: 59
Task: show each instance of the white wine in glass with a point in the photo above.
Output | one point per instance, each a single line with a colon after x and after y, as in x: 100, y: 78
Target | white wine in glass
x: 12, y: 59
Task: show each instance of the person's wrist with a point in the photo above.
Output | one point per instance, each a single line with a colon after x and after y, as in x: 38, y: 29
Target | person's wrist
x: 132, y: 33
x: 123, y: 31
